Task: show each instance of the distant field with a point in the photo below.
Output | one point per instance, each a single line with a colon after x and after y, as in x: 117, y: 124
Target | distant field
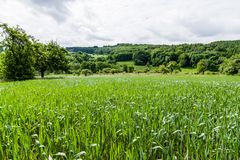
x: 189, y: 70
x: 121, y: 117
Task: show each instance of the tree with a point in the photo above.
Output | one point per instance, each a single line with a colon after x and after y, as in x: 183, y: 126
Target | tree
x: 57, y: 57
x: 41, y: 57
x: 202, y: 66
x: 163, y: 69
x: 19, y: 58
x: 184, y: 60
x: 141, y: 58
x: 173, y: 66
x: 50, y: 57
x: 231, y: 66
x: 86, y: 72
x: 101, y: 65
x: 89, y: 65
x: 123, y: 56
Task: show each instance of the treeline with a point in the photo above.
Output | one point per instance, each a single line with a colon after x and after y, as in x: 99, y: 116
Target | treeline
x: 216, y: 56
x: 22, y: 56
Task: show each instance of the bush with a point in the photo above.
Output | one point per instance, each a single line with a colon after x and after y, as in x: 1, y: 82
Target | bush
x: 146, y: 70
x: 163, y: 69
x: 107, y: 70
x: 86, y: 72
x: 113, y: 71
x: 231, y: 66
x: 141, y: 58
x: 125, y: 68
x: 130, y: 69
x: 173, y: 66
x: 90, y: 66
x: 202, y: 66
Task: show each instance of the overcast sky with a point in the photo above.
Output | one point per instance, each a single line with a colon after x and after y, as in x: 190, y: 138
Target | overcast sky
x: 106, y: 22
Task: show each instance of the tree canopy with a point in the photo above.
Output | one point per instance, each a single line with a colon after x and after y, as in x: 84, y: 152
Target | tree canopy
x: 18, y: 48
x: 23, y: 55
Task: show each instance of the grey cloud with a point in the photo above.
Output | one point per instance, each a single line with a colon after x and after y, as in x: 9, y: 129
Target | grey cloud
x: 204, y: 28
x: 103, y: 22
x: 55, y: 8
x: 98, y: 38
x: 171, y: 36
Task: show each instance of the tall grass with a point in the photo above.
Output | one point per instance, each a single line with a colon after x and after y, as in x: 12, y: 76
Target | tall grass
x: 121, y: 117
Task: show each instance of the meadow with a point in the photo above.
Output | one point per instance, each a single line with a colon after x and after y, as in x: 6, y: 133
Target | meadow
x: 121, y: 117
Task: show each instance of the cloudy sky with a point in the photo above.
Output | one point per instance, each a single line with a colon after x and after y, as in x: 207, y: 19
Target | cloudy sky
x: 106, y: 22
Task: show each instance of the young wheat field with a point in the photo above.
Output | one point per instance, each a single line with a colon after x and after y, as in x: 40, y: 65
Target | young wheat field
x: 121, y: 117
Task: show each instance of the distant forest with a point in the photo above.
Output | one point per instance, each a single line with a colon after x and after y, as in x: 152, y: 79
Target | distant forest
x: 211, y: 56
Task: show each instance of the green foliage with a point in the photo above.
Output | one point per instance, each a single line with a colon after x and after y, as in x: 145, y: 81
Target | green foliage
x: 100, y: 59
x: 130, y: 69
x: 86, y: 72
x: 50, y: 57
x: 41, y: 58
x: 231, y: 66
x: 101, y: 65
x: 173, y: 66
x: 163, y: 69
x: 184, y: 60
x: 90, y: 66
x: 1, y: 65
x: 202, y: 66
x: 114, y: 71
x: 125, y: 68
x: 163, y: 56
x: 107, y: 70
x: 57, y: 57
x: 187, y: 55
x: 24, y: 55
x: 19, y: 58
x: 123, y: 57
x: 141, y: 57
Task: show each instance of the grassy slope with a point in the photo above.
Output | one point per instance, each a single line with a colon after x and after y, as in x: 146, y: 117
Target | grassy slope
x: 121, y: 117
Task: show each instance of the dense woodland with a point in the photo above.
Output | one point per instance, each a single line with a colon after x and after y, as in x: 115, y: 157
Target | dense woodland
x: 221, y: 56
x: 22, y: 57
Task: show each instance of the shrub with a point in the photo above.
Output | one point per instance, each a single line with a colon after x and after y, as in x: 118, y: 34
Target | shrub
x: 202, y: 66
x: 113, y: 71
x: 163, y: 69
x: 106, y: 70
x: 125, y: 68
x: 130, y: 69
x: 86, y: 72
x: 231, y: 66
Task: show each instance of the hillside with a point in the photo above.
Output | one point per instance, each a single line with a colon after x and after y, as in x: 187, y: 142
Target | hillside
x: 232, y: 46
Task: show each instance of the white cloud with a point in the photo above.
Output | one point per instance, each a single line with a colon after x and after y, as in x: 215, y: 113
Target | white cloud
x: 103, y: 22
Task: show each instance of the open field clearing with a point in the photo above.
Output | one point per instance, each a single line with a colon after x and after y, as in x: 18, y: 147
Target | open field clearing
x: 121, y: 117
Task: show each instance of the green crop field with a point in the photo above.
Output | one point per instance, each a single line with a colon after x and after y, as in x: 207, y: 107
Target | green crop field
x: 121, y: 117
